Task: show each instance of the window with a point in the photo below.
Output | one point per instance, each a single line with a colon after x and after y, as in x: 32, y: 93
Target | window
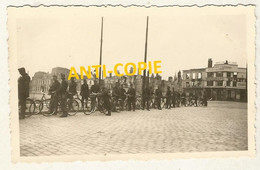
x: 188, y: 76
x: 235, y: 75
x: 219, y: 83
x: 228, y: 83
x: 187, y: 84
x: 193, y: 75
x: 209, y: 83
x: 219, y: 74
x: 228, y: 74
x: 192, y: 83
x: 199, y: 75
x: 234, y: 83
x: 210, y: 74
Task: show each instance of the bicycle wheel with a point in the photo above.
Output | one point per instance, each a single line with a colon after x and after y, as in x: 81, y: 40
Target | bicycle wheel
x: 38, y: 106
x: 162, y: 104
x: 117, y: 107
x: 138, y: 104
x: 73, y: 107
x: 86, y: 107
x: 30, y: 108
x: 200, y: 103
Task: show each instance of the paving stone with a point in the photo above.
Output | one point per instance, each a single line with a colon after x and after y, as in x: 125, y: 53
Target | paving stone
x: 222, y: 126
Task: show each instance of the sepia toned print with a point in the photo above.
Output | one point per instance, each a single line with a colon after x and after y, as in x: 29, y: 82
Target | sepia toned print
x: 114, y: 83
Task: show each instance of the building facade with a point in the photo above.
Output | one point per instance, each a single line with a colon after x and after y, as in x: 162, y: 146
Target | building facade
x: 223, y: 81
x: 41, y: 81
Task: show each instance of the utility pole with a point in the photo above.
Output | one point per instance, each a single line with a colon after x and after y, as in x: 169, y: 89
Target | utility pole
x: 100, y: 59
x: 145, y: 55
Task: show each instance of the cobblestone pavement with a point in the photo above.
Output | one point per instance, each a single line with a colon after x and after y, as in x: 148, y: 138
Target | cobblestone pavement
x: 222, y: 126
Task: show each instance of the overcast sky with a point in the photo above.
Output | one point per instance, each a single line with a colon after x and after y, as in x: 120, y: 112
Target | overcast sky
x: 47, y: 38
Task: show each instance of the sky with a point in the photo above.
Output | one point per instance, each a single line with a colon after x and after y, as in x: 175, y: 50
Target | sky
x: 49, y: 38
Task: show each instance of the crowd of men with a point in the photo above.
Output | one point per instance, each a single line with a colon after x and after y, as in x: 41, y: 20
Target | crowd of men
x: 59, y: 92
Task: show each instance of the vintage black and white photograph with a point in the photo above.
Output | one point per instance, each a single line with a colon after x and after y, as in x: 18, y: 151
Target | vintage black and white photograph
x: 101, y: 81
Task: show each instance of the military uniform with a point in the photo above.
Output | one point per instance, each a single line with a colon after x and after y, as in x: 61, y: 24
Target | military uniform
x: 122, y: 96
x: 173, y: 98
x: 146, y: 97
x: 106, y: 98
x: 183, y: 97
x: 115, y: 94
x: 73, y: 88
x: 94, y: 89
x: 131, y: 98
x: 205, y: 99
x: 62, y: 92
x: 168, y: 99
x: 54, y: 96
x: 158, y: 97
x: 84, y: 92
x: 178, y: 98
x: 23, y: 92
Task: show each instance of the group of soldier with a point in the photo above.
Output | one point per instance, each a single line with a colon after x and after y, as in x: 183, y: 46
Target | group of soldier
x: 58, y: 91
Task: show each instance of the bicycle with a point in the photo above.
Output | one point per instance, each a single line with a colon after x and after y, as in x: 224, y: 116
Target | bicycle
x: 43, y: 103
x: 183, y: 102
x: 115, y: 103
x: 138, y: 102
x: 192, y: 102
x: 200, y: 102
x: 84, y: 106
x: 29, y: 109
x: 72, y: 107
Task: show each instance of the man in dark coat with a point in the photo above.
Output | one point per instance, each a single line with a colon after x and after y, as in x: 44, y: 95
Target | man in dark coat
x: 173, y: 97
x: 23, y: 90
x: 62, y: 92
x: 54, y: 95
x: 205, y: 98
x: 168, y: 98
x: 84, y: 92
x: 196, y: 96
x: 106, y: 96
x: 131, y: 97
x: 158, y: 97
x: 178, y: 98
x: 73, y: 87
x: 94, y: 89
x: 122, y: 96
x: 183, y: 98
x: 115, y: 94
x: 146, y: 96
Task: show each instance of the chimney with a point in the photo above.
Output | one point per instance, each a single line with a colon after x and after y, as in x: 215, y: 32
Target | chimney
x: 210, y: 63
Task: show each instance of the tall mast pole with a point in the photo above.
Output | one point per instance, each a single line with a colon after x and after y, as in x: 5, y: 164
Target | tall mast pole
x: 101, y: 45
x: 145, y: 54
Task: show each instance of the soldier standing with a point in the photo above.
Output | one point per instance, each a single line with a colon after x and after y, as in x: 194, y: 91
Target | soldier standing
x: 183, y: 98
x: 115, y: 94
x: 178, y: 97
x: 23, y: 90
x: 173, y: 97
x: 94, y: 89
x: 146, y: 97
x: 168, y: 98
x: 131, y: 97
x: 73, y: 87
x: 196, y: 96
x: 62, y: 91
x: 54, y: 95
x: 205, y: 98
x: 191, y: 97
x: 122, y: 96
x: 84, y: 92
x: 105, y: 96
x: 158, y: 97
